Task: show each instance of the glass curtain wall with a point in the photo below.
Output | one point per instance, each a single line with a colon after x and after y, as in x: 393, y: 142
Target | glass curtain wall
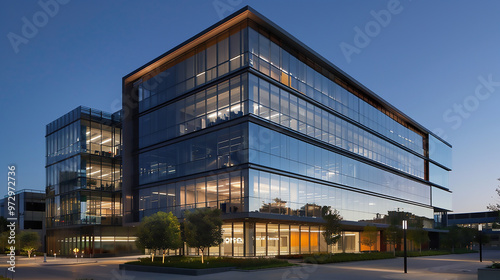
x: 219, y: 103
x: 281, y: 152
x: 219, y: 149
x: 83, y: 182
x: 224, y: 191
x: 306, y: 199
x: 210, y: 60
x: 268, y: 57
x: 286, y: 109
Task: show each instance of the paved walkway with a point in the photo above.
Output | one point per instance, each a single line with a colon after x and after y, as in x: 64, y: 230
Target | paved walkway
x: 463, y: 267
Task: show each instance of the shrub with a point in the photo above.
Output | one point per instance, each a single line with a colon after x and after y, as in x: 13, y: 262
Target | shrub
x: 495, y: 265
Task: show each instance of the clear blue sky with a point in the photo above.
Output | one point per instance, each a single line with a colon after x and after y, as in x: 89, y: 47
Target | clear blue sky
x: 427, y: 60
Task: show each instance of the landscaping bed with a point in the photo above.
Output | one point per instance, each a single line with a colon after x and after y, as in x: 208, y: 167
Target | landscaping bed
x: 491, y: 272
x: 186, y: 262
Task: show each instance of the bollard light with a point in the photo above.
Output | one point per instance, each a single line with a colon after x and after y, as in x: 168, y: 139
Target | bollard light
x: 405, y: 227
x: 480, y: 229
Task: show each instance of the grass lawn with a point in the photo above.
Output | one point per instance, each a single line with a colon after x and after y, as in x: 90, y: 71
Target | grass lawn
x: 213, y: 262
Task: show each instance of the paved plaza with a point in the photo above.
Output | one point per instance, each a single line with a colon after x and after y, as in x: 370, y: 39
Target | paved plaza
x: 437, y: 267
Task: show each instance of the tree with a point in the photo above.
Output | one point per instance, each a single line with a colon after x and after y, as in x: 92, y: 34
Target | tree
x: 370, y: 234
x: 160, y: 231
x: 333, y: 227
x: 30, y: 241
x: 418, y: 234
x: 458, y: 237
x: 203, y: 228
x: 393, y: 235
x: 495, y: 206
x: 4, y: 241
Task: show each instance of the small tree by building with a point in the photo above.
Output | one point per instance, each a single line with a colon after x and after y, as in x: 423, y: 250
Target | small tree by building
x: 203, y: 228
x: 370, y: 234
x: 393, y: 235
x: 418, y: 234
x: 332, y: 226
x: 160, y: 231
x: 29, y: 241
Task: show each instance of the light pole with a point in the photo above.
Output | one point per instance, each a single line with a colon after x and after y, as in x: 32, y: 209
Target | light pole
x: 480, y: 229
x: 405, y: 226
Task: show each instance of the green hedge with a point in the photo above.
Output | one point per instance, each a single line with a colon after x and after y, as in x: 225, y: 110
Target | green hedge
x: 213, y: 262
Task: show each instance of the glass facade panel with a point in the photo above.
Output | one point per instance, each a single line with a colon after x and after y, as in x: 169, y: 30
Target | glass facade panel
x: 260, y: 239
x: 284, y: 239
x: 438, y: 175
x: 304, y: 240
x: 238, y: 237
x: 273, y: 239
x: 294, y: 239
x: 203, y: 64
x: 227, y: 244
x: 441, y: 199
x: 439, y: 151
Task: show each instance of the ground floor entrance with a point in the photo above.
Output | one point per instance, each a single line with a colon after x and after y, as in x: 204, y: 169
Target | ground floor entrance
x: 254, y: 239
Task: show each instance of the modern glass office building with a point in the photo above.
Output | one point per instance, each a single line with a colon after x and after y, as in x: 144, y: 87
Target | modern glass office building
x: 83, y: 193
x: 246, y: 118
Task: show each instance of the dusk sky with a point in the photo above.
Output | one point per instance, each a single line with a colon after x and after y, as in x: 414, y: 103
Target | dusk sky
x: 436, y: 61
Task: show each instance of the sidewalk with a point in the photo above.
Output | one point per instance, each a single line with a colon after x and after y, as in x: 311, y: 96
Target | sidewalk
x: 22, y: 260
x: 39, y: 260
x: 462, y: 267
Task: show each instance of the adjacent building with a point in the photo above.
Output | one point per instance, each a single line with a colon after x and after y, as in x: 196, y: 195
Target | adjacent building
x: 83, y: 188
x: 246, y: 118
x: 489, y: 222
x: 29, y: 211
